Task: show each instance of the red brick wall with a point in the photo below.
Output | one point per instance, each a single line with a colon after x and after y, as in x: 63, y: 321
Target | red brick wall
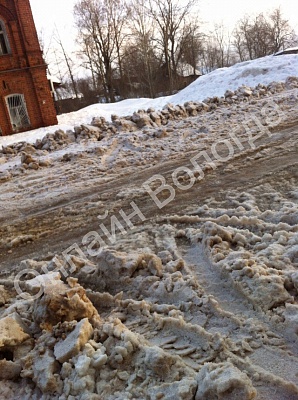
x: 23, y: 71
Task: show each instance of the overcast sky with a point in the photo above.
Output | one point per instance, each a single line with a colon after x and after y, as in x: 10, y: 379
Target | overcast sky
x: 47, y: 13
x: 230, y: 11
x: 50, y: 13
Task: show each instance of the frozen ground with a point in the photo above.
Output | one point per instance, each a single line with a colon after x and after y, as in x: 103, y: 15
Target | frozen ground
x: 195, y: 297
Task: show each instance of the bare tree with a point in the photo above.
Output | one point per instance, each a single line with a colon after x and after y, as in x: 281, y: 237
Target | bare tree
x: 68, y: 63
x: 217, y: 49
x: 211, y: 57
x: 192, y: 44
x: 170, y: 17
x: 222, y: 41
x: 251, y: 36
x: 141, y: 56
x: 100, y: 24
x: 282, y: 34
x: 262, y: 35
x: 49, y: 52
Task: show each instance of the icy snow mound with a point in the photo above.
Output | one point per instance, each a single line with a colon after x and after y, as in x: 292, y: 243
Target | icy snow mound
x: 122, y: 108
x: 262, y: 70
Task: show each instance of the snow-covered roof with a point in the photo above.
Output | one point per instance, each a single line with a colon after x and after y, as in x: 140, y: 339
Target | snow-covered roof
x: 290, y: 50
x: 53, y: 79
x: 185, y: 69
x: 66, y: 93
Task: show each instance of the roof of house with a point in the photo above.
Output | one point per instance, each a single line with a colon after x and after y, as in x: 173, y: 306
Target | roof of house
x: 185, y: 69
x: 290, y: 50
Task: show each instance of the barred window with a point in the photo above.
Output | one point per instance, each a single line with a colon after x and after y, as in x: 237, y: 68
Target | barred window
x: 17, y: 111
x: 4, y: 45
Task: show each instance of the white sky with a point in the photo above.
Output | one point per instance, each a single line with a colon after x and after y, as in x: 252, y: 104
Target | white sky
x: 50, y: 13
x: 230, y: 11
x: 47, y: 13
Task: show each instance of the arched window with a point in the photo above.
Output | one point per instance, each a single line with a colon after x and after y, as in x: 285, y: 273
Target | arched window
x: 19, y: 117
x: 4, y: 45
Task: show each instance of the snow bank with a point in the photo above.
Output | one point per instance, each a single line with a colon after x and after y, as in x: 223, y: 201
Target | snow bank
x: 263, y: 70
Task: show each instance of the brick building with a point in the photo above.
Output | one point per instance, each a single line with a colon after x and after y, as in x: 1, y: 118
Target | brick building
x: 25, y: 97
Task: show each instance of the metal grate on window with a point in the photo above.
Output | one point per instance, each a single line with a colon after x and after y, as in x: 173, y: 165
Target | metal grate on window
x: 19, y: 117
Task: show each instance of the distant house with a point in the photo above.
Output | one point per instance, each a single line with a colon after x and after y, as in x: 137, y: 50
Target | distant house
x: 187, y: 70
x: 25, y: 94
x: 55, y: 84
x: 291, y: 50
x: 184, y: 76
x: 187, y: 74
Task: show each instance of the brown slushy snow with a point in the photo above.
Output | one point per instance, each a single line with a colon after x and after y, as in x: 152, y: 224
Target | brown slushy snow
x: 198, y: 300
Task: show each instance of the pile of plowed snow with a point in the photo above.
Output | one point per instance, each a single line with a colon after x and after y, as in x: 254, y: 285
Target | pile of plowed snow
x: 263, y: 70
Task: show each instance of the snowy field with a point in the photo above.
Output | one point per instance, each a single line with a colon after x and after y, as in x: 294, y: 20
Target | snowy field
x: 154, y: 254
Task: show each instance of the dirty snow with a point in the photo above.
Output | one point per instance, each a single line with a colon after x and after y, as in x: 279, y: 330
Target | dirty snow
x: 250, y: 73
x: 193, y: 300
